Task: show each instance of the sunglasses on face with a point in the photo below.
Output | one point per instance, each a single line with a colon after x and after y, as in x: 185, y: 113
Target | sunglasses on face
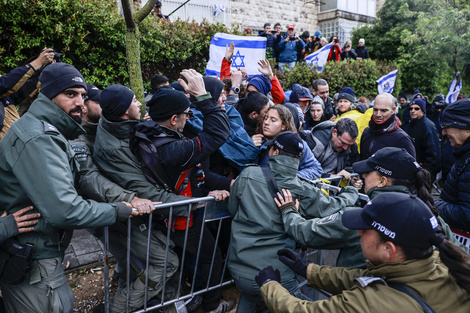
x: 415, y: 108
x: 189, y: 114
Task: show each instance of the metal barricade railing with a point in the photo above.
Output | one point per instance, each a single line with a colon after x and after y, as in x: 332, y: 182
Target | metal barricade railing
x: 213, y: 212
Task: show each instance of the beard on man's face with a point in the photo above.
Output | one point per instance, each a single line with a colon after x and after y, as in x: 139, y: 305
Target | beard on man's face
x: 76, y: 118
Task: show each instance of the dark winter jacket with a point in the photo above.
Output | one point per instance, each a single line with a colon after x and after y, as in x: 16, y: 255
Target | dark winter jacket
x: 180, y: 153
x: 270, y: 43
x: 426, y: 141
x: 371, y: 141
x: 351, y: 54
x: 318, y: 140
x: 362, y: 52
x: 454, y: 202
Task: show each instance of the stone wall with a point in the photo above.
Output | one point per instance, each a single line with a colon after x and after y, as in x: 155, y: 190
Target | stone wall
x: 254, y: 13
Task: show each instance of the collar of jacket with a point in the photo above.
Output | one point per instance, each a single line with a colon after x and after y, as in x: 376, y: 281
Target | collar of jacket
x: 90, y: 128
x: 464, y: 150
x: 404, y: 272
x: 417, y: 120
x: 283, y: 165
x: 374, y: 192
x: 46, y: 110
x: 120, y: 130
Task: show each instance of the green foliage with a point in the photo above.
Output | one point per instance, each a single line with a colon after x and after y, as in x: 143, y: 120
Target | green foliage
x: 427, y: 39
x: 168, y: 48
x: 91, y: 34
x: 360, y: 75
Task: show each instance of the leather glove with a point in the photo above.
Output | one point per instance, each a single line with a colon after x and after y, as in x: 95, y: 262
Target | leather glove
x: 294, y: 261
x: 267, y: 275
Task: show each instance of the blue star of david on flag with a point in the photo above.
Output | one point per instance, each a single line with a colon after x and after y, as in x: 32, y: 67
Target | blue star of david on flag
x: 248, y: 51
x: 234, y: 60
x: 387, y: 82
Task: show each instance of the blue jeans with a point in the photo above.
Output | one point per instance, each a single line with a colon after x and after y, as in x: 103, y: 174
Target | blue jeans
x: 283, y: 65
x: 250, y: 295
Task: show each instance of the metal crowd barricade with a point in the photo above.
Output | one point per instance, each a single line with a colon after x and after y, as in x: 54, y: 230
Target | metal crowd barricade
x: 213, y: 212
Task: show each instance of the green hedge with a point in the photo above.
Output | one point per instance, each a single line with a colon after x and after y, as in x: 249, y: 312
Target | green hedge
x: 91, y: 34
x: 360, y: 75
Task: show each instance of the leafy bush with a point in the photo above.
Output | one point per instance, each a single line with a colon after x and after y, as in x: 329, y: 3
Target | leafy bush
x: 360, y: 75
x: 91, y: 34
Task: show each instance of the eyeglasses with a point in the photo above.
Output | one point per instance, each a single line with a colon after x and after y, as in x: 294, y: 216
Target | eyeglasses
x: 415, y: 108
x: 189, y: 114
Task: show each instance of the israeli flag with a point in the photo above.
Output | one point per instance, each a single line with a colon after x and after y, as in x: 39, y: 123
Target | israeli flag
x: 454, y: 91
x: 318, y: 58
x: 248, y: 51
x: 387, y: 82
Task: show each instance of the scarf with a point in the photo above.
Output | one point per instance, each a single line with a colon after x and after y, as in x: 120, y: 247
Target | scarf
x: 391, y: 124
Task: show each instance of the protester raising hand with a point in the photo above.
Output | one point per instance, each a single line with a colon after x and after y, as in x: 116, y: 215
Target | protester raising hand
x: 265, y: 69
x: 195, y: 83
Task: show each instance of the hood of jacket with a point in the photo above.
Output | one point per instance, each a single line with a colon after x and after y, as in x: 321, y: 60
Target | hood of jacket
x: 46, y: 110
x: 299, y: 92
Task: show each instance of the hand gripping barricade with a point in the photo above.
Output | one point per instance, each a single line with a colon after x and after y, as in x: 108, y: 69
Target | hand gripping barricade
x: 214, y: 212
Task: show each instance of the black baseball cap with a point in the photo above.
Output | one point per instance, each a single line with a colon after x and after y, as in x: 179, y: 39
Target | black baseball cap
x: 401, y: 217
x: 390, y: 161
x: 288, y: 142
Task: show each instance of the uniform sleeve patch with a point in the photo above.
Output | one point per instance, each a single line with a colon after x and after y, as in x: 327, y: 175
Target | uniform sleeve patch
x: 328, y: 219
x: 365, y: 281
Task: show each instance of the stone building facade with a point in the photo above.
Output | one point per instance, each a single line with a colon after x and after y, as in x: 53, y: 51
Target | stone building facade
x: 332, y: 17
x: 254, y: 13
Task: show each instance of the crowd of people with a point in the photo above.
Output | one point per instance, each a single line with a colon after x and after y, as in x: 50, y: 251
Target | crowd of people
x: 81, y: 157
x: 289, y: 48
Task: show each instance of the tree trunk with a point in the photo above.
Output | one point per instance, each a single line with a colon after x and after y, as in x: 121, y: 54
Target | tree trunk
x: 133, y: 46
x: 133, y: 63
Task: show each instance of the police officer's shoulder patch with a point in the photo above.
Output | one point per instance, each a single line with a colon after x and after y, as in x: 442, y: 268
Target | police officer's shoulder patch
x: 49, y: 128
x: 81, y: 153
x: 366, y: 281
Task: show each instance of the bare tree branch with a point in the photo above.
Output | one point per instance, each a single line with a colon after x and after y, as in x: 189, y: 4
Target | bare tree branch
x: 140, y: 15
x: 127, y: 10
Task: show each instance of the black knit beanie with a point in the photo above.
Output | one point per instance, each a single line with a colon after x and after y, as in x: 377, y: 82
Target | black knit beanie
x: 457, y: 114
x: 115, y: 100
x: 166, y: 102
x: 348, y: 94
x: 57, y: 77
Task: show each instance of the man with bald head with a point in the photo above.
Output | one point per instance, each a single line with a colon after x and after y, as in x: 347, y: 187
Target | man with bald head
x: 384, y: 129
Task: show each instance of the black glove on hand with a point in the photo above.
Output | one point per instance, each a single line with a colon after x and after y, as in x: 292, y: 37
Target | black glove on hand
x: 266, y: 275
x: 293, y: 260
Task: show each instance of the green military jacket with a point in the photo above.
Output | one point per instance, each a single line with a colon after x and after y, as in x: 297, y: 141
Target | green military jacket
x: 115, y: 160
x: 38, y: 168
x: 8, y: 227
x: 429, y: 278
x: 257, y: 227
x: 92, y: 183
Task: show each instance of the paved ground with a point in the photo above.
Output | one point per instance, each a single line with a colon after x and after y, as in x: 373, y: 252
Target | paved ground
x: 84, y: 251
